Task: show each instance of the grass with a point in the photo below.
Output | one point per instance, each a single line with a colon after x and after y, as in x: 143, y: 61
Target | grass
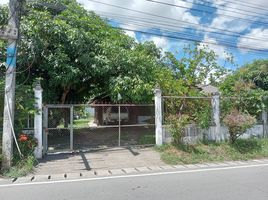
x: 21, y: 168
x: 147, y: 139
x: 213, y: 152
x: 83, y: 122
x: 79, y: 123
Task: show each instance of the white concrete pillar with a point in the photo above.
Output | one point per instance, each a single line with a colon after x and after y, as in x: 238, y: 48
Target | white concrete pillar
x: 215, y: 101
x: 158, y: 117
x: 38, y: 120
x: 265, y: 123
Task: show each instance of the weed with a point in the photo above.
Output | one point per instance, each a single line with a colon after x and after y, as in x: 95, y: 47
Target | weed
x: 22, y: 167
x: 211, y: 152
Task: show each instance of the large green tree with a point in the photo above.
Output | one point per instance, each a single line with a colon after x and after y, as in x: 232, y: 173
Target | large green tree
x: 249, y: 86
x: 79, y: 57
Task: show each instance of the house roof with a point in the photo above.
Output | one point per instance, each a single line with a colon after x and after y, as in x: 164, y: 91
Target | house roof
x: 208, y: 89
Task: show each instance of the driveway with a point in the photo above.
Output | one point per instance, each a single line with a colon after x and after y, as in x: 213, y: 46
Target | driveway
x: 114, y: 158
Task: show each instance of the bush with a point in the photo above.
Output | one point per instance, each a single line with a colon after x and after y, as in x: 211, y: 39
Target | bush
x: 238, y: 123
x: 27, y: 144
x: 177, y: 125
x: 22, y: 167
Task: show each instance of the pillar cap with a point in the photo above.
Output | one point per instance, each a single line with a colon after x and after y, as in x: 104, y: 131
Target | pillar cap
x: 157, y: 90
x: 37, y: 85
x: 215, y: 94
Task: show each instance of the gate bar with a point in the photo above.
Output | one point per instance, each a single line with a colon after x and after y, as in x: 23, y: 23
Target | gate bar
x: 71, y: 127
x: 119, y: 125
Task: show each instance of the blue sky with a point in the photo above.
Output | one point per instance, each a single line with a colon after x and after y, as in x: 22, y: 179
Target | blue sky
x: 194, y: 19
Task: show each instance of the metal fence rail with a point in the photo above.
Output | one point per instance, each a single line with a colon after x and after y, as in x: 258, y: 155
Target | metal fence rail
x: 85, y: 126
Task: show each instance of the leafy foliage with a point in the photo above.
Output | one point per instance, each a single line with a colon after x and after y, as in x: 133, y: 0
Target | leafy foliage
x: 27, y: 144
x: 248, y: 86
x: 177, y: 126
x: 238, y: 123
x: 80, y: 57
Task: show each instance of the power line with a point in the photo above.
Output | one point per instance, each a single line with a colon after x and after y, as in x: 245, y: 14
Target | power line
x: 194, y: 36
x: 165, y: 24
x: 211, y: 12
x: 223, y: 6
x: 250, y: 5
x: 163, y: 17
x: 193, y: 40
x: 137, y: 24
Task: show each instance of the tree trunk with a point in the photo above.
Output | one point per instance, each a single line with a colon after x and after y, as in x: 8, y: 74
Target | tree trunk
x: 65, y: 93
x: 66, y: 112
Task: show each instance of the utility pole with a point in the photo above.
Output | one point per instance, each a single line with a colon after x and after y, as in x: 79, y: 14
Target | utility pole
x: 9, y: 106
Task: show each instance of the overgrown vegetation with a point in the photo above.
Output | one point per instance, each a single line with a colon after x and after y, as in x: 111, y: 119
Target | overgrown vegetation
x: 21, y: 167
x: 238, y: 123
x: 147, y: 139
x: 242, y: 149
x: 176, y: 126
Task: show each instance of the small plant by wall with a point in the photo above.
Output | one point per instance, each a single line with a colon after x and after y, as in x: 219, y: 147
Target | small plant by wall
x: 238, y: 123
x: 177, y: 124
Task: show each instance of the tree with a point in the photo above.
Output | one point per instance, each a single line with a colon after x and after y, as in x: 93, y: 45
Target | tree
x: 181, y: 79
x: 80, y: 57
x: 248, y: 86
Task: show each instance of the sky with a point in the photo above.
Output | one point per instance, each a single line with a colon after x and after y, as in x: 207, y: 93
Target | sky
x: 238, y: 27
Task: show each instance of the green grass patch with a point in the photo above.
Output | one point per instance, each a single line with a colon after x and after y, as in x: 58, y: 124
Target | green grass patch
x: 83, y: 122
x: 147, y: 139
x: 213, y: 152
x: 21, y: 168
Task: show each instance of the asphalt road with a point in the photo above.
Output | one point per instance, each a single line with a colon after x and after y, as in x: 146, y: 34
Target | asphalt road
x: 238, y: 184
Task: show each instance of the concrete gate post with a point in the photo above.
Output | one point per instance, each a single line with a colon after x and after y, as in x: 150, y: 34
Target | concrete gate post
x: 215, y: 101
x: 158, y: 117
x: 38, y: 120
x: 265, y: 123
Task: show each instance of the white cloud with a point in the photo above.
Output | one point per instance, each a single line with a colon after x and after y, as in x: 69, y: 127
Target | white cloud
x: 155, y: 9
x: 131, y: 34
x: 160, y: 42
x: 4, y: 2
x: 212, y: 44
x: 238, y: 10
x: 242, y: 25
x: 253, y: 43
x: 127, y: 18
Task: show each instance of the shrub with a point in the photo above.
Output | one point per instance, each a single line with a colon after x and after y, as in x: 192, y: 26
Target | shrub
x: 177, y: 125
x: 22, y: 167
x: 238, y: 123
x: 27, y: 144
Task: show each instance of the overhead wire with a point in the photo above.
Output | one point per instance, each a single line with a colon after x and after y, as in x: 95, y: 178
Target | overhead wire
x: 246, y: 4
x: 145, y: 24
x: 200, y: 38
x: 166, y: 24
x: 211, y: 12
x: 192, y: 40
x: 228, y: 9
x: 164, y: 17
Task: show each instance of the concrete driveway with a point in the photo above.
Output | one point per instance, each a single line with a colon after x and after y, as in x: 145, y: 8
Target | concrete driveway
x: 114, y: 158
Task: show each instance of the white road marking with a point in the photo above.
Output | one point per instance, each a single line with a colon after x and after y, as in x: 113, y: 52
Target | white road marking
x: 134, y: 175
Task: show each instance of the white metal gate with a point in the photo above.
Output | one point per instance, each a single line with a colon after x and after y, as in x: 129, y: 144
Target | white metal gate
x: 87, y: 126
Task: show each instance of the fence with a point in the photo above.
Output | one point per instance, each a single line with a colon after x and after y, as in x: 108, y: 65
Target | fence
x: 84, y: 126
x: 205, y: 116
x: 87, y: 126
